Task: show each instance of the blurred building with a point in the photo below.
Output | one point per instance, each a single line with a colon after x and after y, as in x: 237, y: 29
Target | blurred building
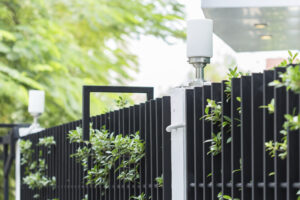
x: 255, y: 25
x: 273, y: 62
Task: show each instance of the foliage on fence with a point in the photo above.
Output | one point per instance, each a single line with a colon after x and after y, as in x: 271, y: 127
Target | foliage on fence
x: 105, y: 149
x: 127, y: 156
x: 228, y: 122
x: 35, y: 165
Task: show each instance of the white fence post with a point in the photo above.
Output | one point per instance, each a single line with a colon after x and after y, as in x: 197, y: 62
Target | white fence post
x: 178, y: 144
x: 22, y: 132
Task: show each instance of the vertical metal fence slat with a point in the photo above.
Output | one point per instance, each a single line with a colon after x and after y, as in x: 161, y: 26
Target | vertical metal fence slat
x: 147, y: 151
x: 142, y: 136
x: 106, y: 192
x: 153, y: 149
x: 268, y: 130
x: 131, y: 131
x: 142, y: 130
x: 292, y: 147
x: 136, y: 131
x: 257, y: 134
x: 69, y: 168
x: 121, y: 130
x: 190, y: 143
x: 206, y: 94
x: 66, y: 158
x: 110, y: 128
x: 198, y: 142
x: 226, y: 147
x: 246, y: 136
x: 114, y: 174
x: 126, y: 132
x: 158, y: 124
x: 215, y: 159
x: 81, y: 173
x: 236, y: 138
x: 117, y: 132
x: 279, y: 164
x: 166, y: 149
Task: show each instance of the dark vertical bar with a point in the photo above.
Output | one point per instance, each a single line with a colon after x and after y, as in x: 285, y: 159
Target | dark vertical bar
x: 292, y: 147
x: 131, y: 131
x: 268, y: 134
x: 6, y: 178
x: 190, y: 142
x: 58, y: 178
x: 158, y: 113
x: 142, y: 135
x: 85, y: 112
x: 226, y: 147
x: 198, y: 142
x: 147, y: 151
x: 126, y: 132
x: 257, y: 134
x: 93, y: 186
x: 206, y: 146
x: 98, y: 187
x: 82, y: 173
x: 121, y: 131
x: 136, y: 125
x: 235, y: 138
x: 110, y: 128
x: 215, y: 159
x: 62, y: 162
x: 70, y: 181
x: 116, y: 173
x: 280, y: 110
x: 55, y: 160
x: 153, y: 149
x: 102, y: 126
x: 166, y: 149
x: 150, y: 94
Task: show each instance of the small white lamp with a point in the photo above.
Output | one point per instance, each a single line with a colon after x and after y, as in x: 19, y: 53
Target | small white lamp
x: 36, y: 107
x: 199, y: 46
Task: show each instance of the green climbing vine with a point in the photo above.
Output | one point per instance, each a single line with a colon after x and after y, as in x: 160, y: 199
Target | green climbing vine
x: 105, y: 149
x: 110, y: 152
x: 291, y: 80
x: 160, y: 181
x: 213, y: 113
x: 35, y: 168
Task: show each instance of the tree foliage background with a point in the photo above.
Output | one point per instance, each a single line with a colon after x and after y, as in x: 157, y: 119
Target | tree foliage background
x: 59, y: 45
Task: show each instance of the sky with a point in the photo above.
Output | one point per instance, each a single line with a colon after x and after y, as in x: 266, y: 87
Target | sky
x: 164, y: 66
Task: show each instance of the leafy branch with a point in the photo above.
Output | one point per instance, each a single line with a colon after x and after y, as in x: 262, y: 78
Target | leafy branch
x: 227, y: 197
x: 233, y: 73
x: 35, y: 169
x: 213, y: 113
x: 105, y: 149
x: 292, y: 59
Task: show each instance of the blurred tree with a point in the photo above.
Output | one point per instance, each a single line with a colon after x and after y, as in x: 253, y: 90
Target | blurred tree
x: 59, y: 45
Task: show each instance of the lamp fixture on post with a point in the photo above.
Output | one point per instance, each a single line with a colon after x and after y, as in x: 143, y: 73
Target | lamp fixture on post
x: 199, y: 47
x: 36, y: 107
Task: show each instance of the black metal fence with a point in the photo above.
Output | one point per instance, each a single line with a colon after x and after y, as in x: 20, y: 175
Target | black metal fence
x: 150, y: 119
x: 243, y: 169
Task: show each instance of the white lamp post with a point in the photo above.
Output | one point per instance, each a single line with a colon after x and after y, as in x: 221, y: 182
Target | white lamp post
x: 199, y: 46
x: 36, y: 107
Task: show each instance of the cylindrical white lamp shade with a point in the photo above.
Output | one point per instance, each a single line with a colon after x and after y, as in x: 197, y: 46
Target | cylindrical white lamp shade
x: 36, y: 101
x: 199, y: 38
